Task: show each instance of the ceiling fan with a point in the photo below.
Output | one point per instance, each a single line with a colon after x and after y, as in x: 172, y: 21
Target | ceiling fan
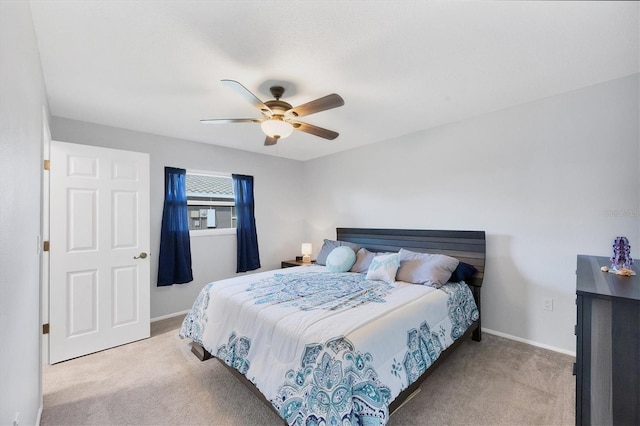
x: 280, y: 118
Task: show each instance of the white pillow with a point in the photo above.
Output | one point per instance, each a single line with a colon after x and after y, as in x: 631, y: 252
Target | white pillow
x: 384, y: 268
x: 341, y: 259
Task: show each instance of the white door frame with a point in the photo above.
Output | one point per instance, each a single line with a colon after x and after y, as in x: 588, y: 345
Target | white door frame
x: 44, y: 232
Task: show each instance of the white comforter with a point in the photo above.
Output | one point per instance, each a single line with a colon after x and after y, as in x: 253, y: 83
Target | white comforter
x: 328, y: 348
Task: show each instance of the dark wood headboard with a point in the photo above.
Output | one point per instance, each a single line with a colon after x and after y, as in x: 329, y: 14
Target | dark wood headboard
x: 466, y: 246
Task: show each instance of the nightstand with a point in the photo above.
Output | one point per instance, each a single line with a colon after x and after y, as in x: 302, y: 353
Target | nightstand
x: 290, y: 263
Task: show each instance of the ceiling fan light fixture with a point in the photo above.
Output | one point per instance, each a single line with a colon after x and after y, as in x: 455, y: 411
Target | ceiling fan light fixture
x: 275, y: 127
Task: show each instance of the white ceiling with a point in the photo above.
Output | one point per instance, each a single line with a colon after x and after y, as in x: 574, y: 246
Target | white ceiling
x: 401, y: 66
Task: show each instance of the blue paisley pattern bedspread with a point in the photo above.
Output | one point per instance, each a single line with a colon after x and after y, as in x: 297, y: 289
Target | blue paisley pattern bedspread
x: 317, y: 290
x: 328, y: 348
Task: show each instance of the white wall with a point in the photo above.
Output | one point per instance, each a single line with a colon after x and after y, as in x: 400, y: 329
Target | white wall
x: 22, y: 107
x: 278, y: 196
x: 540, y: 179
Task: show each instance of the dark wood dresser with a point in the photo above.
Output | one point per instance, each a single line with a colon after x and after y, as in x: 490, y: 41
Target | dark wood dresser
x: 608, y: 345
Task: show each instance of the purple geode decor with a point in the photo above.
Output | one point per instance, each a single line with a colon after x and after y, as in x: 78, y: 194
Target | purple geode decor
x: 621, y: 254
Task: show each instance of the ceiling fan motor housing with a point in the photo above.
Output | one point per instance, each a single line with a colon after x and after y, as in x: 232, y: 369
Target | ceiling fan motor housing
x: 278, y: 107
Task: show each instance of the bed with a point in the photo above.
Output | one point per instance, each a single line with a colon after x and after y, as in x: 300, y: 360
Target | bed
x: 325, y: 347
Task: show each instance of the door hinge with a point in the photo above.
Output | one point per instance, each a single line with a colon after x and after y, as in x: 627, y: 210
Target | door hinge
x: 47, y: 164
x: 45, y: 246
x: 45, y: 328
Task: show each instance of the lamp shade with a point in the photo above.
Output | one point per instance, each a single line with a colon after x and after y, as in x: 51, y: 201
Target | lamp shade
x: 276, y: 128
x: 307, y: 248
x: 306, y: 252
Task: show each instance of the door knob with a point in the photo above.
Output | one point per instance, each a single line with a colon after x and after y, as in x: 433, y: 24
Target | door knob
x: 142, y: 255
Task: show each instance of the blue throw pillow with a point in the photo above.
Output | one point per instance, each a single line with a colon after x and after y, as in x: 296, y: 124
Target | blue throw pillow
x: 463, y: 272
x: 341, y: 259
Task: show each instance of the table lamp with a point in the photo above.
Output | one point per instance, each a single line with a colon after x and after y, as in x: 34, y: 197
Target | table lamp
x: 306, y: 252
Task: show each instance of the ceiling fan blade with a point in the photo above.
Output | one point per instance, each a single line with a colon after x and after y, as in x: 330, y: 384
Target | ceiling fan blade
x: 248, y: 96
x: 270, y: 141
x: 314, y: 130
x: 320, y: 104
x: 230, y: 120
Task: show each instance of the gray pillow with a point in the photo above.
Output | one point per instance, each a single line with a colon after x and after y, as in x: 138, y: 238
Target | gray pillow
x: 424, y: 268
x: 363, y: 260
x: 328, y: 246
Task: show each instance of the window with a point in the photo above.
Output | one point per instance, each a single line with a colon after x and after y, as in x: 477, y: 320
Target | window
x: 210, y: 202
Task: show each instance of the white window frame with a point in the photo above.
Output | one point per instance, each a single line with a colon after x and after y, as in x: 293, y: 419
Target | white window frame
x: 214, y: 231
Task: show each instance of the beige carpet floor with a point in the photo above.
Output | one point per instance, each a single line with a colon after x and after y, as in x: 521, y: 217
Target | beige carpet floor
x: 158, y: 381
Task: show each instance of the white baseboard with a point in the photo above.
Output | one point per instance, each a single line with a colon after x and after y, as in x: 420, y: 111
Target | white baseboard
x: 39, y: 417
x: 528, y: 342
x: 175, y: 314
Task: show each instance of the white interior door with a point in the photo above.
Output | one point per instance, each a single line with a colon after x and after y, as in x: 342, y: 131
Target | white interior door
x: 99, y: 276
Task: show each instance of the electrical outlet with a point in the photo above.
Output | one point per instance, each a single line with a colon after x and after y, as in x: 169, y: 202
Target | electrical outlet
x: 548, y: 304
